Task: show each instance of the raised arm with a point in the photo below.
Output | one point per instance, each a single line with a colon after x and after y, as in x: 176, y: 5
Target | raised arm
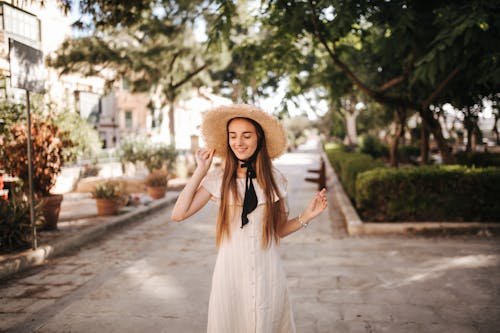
x: 315, y: 207
x: 193, y: 197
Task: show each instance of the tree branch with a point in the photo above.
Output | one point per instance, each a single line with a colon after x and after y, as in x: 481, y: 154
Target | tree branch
x: 334, y: 56
x: 174, y: 57
x: 435, y: 94
x: 189, y: 76
x: 379, y: 96
x: 397, y: 80
x: 391, y: 83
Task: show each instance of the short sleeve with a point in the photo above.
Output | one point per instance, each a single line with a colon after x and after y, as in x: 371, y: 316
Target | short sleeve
x: 212, y: 183
x: 282, y: 184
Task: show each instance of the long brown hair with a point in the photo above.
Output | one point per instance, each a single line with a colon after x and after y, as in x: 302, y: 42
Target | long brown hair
x: 274, y: 213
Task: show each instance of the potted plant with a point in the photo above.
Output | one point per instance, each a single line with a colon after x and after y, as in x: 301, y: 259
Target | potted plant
x: 156, y: 183
x: 108, y: 196
x: 49, y: 144
x: 15, y: 231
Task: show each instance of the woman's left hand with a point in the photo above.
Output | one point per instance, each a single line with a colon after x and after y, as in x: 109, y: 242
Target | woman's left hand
x: 316, y: 206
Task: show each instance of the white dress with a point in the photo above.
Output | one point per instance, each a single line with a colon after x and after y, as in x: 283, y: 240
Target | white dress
x: 249, y: 291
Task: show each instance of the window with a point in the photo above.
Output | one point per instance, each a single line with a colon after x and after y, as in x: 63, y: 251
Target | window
x: 128, y: 119
x: 125, y: 84
x: 20, y: 25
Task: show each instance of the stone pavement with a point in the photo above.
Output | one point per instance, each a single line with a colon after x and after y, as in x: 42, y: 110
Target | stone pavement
x: 154, y: 276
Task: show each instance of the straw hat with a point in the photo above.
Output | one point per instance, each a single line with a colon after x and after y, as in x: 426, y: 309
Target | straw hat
x: 214, y: 128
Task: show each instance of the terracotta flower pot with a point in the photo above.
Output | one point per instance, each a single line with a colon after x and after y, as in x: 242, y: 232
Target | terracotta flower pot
x: 50, y: 210
x: 106, y: 207
x: 156, y: 192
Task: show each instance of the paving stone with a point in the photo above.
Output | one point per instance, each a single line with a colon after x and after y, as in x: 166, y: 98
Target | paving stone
x: 155, y: 276
x: 14, y: 305
x: 8, y: 320
x: 341, y: 296
x: 38, y: 305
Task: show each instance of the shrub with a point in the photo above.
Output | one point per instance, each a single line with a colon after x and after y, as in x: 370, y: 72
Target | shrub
x: 133, y: 150
x: 109, y: 189
x: 159, y: 156
x: 348, y: 165
x: 15, y: 225
x: 154, y: 156
x: 76, y: 129
x: 353, y: 165
x: 478, y: 159
x: 336, y: 153
x: 49, y: 145
x: 10, y: 113
x: 90, y: 170
x: 431, y: 193
x: 157, y: 178
x: 372, y: 146
x: 408, y: 154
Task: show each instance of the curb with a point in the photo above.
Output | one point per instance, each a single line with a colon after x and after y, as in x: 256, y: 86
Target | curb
x: 31, y: 258
x: 356, y: 227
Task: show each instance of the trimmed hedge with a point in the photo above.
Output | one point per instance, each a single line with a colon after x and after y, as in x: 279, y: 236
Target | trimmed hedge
x: 408, y: 154
x: 349, y: 165
x: 371, y: 145
x: 353, y: 165
x: 478, y: 159
x: 430, y: 193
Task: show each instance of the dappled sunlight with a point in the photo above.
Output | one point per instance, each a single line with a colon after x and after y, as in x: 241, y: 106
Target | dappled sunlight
x: 154, y: 284
x: 158, y: 286
x: 297, y: 159
x: 436, y: 268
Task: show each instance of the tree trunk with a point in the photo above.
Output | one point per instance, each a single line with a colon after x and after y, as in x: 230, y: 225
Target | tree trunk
x: 235, y: 95
x: 424, y: 144
x: 435, y: 129
x: 350, y: 116
x: 351, y: 133
x: 171, y: 123
x: 469, y: 126
x: 400, y: 122
x: 468, y: 147
x: 171, y: 117
x: 495, y: 128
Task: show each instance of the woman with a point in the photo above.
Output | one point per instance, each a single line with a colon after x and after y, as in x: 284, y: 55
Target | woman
x: 249, y: 292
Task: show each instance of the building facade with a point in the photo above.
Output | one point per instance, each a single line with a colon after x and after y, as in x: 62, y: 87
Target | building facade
x: 115, y: 115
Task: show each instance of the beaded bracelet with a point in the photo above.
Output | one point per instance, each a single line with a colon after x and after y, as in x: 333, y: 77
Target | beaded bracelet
x: 302, y: 223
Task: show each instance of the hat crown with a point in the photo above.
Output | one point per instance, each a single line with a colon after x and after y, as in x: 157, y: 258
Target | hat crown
x: 214, y: 128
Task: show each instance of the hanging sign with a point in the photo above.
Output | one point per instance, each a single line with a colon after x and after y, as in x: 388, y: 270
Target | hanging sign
x: 26, y: 67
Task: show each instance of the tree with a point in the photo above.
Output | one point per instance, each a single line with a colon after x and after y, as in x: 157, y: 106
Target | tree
x: 416, y: 48
x: 154, y: 49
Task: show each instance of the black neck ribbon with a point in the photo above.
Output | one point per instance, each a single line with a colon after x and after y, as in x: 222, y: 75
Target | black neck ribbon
x: 250, y: 200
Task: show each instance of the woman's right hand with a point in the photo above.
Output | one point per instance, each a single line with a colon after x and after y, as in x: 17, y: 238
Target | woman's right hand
x: 204, y: 159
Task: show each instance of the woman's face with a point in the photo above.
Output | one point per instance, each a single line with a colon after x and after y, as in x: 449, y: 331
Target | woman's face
x: 243, y: 138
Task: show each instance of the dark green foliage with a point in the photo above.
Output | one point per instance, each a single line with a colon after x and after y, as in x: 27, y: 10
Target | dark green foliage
x: 353, y: 165
x: 348, y: 165
x: 154, y: 156
x: 335, y: 153
x: 15, y: 230
x: 478, y: 159
x: 446, y: 193
x: 408, y: 154
x: 10, y: 113
x: 372, y: 146
x: 85, y: 138
x: 160, y: 156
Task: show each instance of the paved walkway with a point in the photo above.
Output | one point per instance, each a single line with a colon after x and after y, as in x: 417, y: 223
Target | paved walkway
x: 155, y: 277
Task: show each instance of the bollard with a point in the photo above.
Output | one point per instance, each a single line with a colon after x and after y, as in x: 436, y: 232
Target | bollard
x: 321, y: 180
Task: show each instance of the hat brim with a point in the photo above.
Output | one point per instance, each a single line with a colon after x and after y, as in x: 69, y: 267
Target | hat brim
x: 214, y: 128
